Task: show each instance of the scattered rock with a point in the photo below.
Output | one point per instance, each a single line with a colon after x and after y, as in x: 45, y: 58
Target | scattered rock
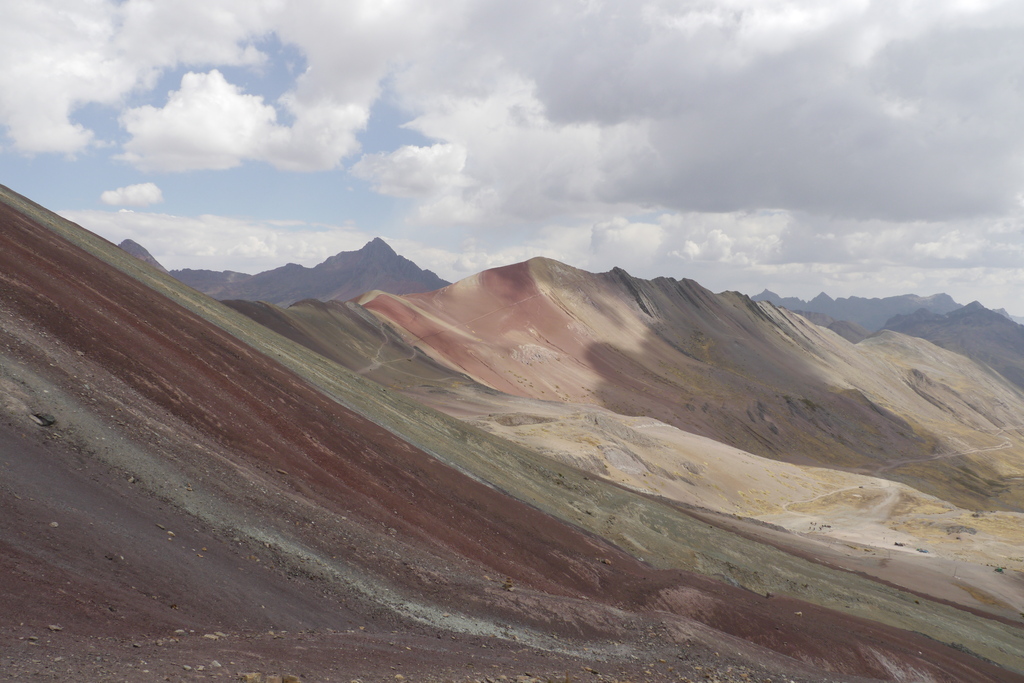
x: 54, y: 627
x: 54, y: 524
x: 43, y: 419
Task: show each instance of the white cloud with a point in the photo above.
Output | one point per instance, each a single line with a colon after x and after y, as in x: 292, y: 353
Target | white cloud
x: 627, y: 244
x: 207, y: 124
x: 222, y: 242
x: 900, y: 112
x: 142, y: 194
x: 412, y: 171
x: 58, y: 56
x: 211, y: 124
x: 519, y: 166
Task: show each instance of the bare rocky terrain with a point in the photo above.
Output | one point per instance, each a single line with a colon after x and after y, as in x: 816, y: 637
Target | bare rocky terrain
x: 188, y: 495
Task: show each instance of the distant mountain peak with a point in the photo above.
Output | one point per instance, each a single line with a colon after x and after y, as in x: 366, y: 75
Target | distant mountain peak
x: 872, y: 314
x: 377, y: 245
x: 822, y: 298
x: 141, y: 253
x: 346, y: 275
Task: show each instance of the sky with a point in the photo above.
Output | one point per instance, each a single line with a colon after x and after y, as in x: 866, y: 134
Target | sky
x: 854, y: 147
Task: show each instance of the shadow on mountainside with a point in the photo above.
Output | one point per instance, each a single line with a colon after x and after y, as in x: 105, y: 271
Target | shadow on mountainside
x: 711, y: 369
x: 712, y: 365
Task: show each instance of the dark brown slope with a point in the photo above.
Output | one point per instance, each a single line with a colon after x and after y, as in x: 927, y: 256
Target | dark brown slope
x: 165, y: 420
x: 973, y: 331
x: 342, y: 277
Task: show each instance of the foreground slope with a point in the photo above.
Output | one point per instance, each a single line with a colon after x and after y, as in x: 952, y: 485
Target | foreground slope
x: 290, y: 511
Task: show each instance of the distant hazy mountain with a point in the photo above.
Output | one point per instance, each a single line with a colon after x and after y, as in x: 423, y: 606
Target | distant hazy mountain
x: 974, y: 331
x: 343, y: 276
x: 871, y: 314
x: 140, y: 252
x: 1015, y: 318
x: 209, y: 281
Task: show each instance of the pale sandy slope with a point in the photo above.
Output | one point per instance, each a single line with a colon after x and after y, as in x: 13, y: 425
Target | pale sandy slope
x: 850, y: 520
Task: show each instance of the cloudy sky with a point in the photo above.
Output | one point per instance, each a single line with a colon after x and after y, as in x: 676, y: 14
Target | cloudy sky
x: 857, y: 147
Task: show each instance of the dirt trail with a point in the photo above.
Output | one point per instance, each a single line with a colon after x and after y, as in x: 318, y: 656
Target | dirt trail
x: 900, y: 462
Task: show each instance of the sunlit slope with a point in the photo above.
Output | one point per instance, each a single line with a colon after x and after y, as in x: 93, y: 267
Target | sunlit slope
x: 859, y: 518
x: 719, y: 365
x: 653, y: 530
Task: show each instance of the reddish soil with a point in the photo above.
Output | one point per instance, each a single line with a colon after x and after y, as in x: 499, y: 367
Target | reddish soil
x: 165, y: 423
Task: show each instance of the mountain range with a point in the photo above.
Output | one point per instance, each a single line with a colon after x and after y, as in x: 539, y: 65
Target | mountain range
x: 535, y: 472
x: 342, y: 276
x: 870, y: 314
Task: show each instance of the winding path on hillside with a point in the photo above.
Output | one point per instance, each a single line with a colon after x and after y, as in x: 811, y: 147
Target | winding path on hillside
x: 899, y: 462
